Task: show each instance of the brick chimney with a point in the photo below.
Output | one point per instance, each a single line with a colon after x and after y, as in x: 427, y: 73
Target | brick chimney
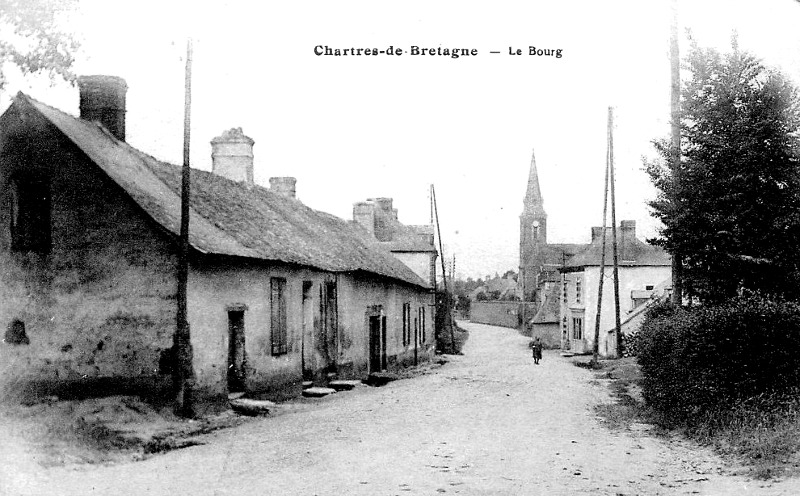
x: 102, y: 99
x: 364, y: 215
x: 283, y: 186
x: 627, y: 230
x: 597, y: 233
x: 232, y: 156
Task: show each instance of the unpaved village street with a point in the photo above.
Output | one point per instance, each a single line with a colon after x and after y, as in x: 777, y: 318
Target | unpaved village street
x: 488, y: 422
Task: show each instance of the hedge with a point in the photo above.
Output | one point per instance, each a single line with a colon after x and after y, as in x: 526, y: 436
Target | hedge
x: 694, y: 361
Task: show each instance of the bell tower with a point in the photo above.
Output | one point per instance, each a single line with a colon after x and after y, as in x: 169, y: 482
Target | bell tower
x: 532, y: 235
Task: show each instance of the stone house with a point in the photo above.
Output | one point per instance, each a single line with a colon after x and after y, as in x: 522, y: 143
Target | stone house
x: 641, y: 268
x: 277, y: 292
x: 411, y: 244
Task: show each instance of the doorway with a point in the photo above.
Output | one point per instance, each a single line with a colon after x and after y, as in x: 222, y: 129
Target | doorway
x: 236, y: 354
x: 375, y: 349
x: 307, y: 336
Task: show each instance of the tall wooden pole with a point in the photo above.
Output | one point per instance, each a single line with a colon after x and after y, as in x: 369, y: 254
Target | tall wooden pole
x: 184, y: 374
x: 675, y: 146
x: 596, y: 346
x: 448, y: 317
x: 615, y: 351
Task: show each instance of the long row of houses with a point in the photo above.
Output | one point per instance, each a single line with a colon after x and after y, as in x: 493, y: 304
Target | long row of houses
x: 278, y: 293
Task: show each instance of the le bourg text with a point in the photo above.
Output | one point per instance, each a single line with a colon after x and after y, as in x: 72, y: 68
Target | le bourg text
x: 454, y: 53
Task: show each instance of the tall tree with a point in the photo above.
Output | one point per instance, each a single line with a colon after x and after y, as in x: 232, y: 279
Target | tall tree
x: 32, y: 40
x: 735, y: 213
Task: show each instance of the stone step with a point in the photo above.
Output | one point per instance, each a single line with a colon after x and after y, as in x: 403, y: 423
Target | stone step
x: 381, y: 378
x: 344, y: 385
x: 236, y: 395
x: 317, y: 392
x: 308, y: 384
x: 246, y: 406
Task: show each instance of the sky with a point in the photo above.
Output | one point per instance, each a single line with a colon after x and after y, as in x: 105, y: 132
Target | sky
x: 356, y: 127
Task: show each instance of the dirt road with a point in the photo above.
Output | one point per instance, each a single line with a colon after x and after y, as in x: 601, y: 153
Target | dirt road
x: 489, y: 422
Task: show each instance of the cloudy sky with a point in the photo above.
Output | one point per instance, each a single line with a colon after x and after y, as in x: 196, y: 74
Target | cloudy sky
x: 351, y: 128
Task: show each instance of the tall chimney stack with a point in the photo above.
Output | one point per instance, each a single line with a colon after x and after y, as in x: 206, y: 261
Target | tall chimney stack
x: 628, y: 228
x: 232, y: 156
x: 364, y: 215
x: 102, y: 99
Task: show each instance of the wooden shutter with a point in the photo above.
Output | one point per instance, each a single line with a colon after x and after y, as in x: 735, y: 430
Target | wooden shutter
x: 278, y: 315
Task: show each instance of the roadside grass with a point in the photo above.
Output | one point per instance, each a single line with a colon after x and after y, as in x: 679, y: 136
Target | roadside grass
x: 100, y: 430
x: 762, y: 433
x: 448, y: 346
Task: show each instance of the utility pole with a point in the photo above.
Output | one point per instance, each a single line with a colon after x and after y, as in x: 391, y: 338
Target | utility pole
x: 617, y: 335
x: 596, y: 346
x: 448, y: 316
x: 184, y: 373
x: 675, y: 147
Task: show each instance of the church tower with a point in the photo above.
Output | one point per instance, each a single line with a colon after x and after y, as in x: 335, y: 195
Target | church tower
x: 532, y: 235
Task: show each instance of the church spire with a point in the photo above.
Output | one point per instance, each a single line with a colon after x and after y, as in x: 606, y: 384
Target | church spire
x: 533, y: 197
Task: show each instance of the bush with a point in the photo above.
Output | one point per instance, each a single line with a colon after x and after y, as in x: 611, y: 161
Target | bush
x: 696, y: 361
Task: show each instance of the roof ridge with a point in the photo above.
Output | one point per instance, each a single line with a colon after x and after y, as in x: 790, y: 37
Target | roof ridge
x: 236, y: 219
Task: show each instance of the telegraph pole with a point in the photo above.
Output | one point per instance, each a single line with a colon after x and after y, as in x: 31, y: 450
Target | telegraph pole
x: 617, y: 326
x: 184, y: 373
x: 596, y: 346
x: 448, y: 317
x: 675, y: 146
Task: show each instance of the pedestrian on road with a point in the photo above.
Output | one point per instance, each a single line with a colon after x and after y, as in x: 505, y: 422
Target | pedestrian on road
x: 537, y: 350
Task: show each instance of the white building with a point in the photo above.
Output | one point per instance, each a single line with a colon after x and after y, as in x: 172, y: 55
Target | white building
x: 641, y: 268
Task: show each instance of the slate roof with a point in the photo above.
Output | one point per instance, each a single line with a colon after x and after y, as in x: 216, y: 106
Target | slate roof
x: 631, y: 252
x: 227, y: 217
x: 409, y: 238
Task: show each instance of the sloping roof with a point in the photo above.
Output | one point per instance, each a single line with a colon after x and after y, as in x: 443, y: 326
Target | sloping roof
x: 558, y: 254
x: 408, y: 238
x: 227, y: 217
x: 631, y: 252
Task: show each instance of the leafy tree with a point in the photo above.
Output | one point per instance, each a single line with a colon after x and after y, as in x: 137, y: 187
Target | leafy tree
x: 32, y: 41
x: 733, y: 208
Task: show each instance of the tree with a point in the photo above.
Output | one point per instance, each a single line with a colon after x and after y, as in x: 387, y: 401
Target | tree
x: 735, y: 213
x: 32, y: 40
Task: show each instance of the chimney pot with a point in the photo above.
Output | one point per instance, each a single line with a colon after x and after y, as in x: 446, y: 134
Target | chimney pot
x: 102, y: 99
x: 232, y: 156
x: 283, y: 186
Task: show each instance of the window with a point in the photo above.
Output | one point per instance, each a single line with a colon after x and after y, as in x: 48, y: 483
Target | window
x: 15, y: 334
x: 578, y: 288
x: 422, y: 320
x: 577, y: 327
x: 30, y: 215
x: 406, y: 324
x: 277, y: 302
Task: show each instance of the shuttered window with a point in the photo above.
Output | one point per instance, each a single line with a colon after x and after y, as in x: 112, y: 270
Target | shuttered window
x: 278, y: 315
x: 422, y: 319
x: 406, y: 324
x: 30, y: 215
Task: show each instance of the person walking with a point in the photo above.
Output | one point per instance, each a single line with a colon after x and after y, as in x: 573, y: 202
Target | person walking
x: 537, y: 350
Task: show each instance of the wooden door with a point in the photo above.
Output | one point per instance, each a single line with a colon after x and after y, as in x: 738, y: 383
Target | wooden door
x: 375, y: 344
x: 236, y: 356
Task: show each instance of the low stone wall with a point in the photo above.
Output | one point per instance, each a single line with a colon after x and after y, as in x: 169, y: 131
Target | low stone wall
x: 500, y: 313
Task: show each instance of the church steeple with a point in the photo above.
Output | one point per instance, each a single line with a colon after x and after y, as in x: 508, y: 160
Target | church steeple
x: 533, y: 221
x: 533, y: 196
